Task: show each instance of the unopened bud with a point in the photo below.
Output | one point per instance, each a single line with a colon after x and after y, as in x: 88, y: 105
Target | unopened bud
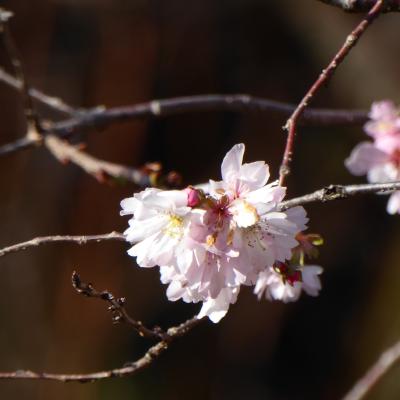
x: 193, y: 196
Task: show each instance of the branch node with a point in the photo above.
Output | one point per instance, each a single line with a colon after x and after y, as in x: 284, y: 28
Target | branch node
x: 333, y: 192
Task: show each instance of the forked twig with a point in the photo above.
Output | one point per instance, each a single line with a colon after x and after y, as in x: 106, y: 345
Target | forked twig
x: 101, y: 116
x: 130, y: 368
x: 324, y: 77
x: 15, y: 59
x: 117, y: 307
x: 51, y: 102
x: 99, y: 169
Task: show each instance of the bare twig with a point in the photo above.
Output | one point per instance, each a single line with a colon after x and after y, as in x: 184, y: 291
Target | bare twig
x: 99, y: 169
x: 117, y: 307
x: 180, y: 105
x: 324, y: 77
x: 203, y: 103
x: 19, y: 144
x: 387, y: 360
x: 363, y: 5
x: 130, y: 368
x: 329, y: 193
x: 15, y: 59
x: 81, y: 239
x: 52, y: 102
x: 199, y: 103
x: 336, y: 192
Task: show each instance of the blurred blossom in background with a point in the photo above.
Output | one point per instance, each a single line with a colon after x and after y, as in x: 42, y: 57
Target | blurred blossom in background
x: 115, y: 53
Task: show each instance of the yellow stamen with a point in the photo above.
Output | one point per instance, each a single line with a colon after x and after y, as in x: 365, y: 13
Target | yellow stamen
x: 210, y: 240
x: 173, y: 229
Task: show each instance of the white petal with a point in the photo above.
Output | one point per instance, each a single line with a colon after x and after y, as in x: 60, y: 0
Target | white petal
x: 266, y: 197
x: 129, y: 205
x: 232, y: 162
x: 217, y: 308
x: 393, y: 205
x: 140, y: 251
x: 298, y: 215
x: 175, y: 198
x: 311, y: 281
x: 255, y: 173
x: 140, y: 230
x: 386, y: 172
x: 364, y: 157
x: 175, y: 291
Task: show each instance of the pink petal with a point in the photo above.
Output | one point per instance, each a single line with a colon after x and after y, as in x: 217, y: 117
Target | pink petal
x: 364, y: 157
x: 393, y: 206
x: 256, y: 173
x: 232, y: 162
x: 385, y: 109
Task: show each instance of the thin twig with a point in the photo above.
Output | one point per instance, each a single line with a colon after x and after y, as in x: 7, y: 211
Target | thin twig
x: 99, y: 169
x: 130, y: 368
x: 387, y: 360
x: 15, y: 59
x: 323, y: 79
x: 336, y: 192
x: 81, y: 239
x: 203, y: 103
x: 329, y: 193
x: 53, y: 103
x: 19, y: 144
x: 357, y: 6
x: 197, y: 103
x: 117, y: 307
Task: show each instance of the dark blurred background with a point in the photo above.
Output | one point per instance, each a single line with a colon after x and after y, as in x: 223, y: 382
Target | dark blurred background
x: 116, y: 52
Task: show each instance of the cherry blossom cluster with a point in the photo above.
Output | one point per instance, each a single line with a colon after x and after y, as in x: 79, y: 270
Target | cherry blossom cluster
x: 380, y: 159
x: 208, y: 243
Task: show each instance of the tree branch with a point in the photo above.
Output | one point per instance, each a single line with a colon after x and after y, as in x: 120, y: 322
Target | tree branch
x: 332, y: 192
x: 336, y: 192
x: 387, y: 360
x: 15, y: 59
x: 130, y: 368
x: 99, y: 169
x: 81, y: 239
x: 117, y: 307
x: 328, y: 193
x: 323, y: 79
x: 357, y: 6
x: 203, y: 103
x: 53, y: 103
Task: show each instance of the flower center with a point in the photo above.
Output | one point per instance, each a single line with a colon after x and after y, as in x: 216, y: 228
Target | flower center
x: 244, y: 214
x: 288, y: 273
x: 174, y: 226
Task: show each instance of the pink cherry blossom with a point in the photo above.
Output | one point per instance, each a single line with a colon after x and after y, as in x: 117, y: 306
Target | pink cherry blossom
x: 209, y: 244
x: 285, y: 283
x: 380, y: 159
x: 159, y: 222
x: 384, y: 126
x: 217, y: 308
